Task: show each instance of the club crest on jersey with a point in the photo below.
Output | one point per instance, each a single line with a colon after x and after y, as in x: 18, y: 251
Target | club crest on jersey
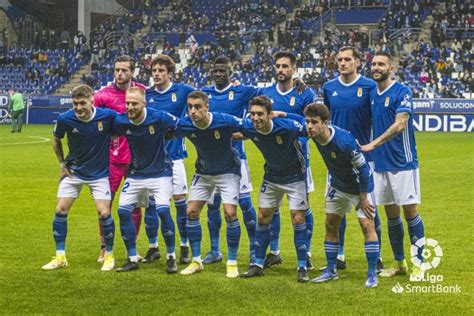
x: 387, y: 101
x: 217, y: 135
x: 292, y: 101
x: 100, y: 126
x: 279, y: 140
x: 231, y: 95
x: 333, y: 154
x: 151, y: 129
x: 359, y: 92
x: 173, y: 97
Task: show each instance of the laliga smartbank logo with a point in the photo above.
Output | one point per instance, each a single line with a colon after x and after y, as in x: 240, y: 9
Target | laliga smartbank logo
x: 431, y: 252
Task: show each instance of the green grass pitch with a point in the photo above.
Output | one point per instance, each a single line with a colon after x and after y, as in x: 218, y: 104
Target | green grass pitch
x: 28, y: 184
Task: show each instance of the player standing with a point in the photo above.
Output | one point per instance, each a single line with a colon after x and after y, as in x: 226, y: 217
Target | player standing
x: 397, y: 180
x: 113, y: 97
x: 88, y: 133
x: 227, y: 98
x: 171, y: 97
x: 149, y: 172
x: 217, y: 168
x: 285, y: 174
x: 285, y: 97
x: 347, y: 97
x: 350, y: 186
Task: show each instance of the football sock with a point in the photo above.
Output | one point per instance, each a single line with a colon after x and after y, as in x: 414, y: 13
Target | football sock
x: 275, y: 233
x: 262, y: 238
x: 372, y: 254
x: 152, y: 223
x: 60, y: 231
x: 396, y: 234
x: 108, y: 226
x: 342, y: 237
x: 331, y: 249
x: 167, y: 227
x: 193, y: 228
x: 416, y: 230
x: 214, y: 222
x: 233, y: 238
x: 300, y: 239
x: 250, y: 218
x: 309, y: 219
x: 181, y: 207
x: 128, y: 229
x: 137, y: 219
x: 378, y: 230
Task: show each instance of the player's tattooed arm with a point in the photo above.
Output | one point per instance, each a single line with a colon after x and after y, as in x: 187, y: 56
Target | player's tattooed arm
x: 58, y: 150
x: 401, y: 120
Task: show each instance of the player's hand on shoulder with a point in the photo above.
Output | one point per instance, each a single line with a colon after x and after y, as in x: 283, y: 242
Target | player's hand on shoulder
x: 279, y: 114
x: 366, y: 148
x: 300, y: 85
x: 238, y: 136
x: 236, y: 83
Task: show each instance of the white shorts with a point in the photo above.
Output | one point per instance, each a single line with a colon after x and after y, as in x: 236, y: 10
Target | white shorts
x: 340, y: 203
x: 135, y: 191
x: 180, y: 182
x: 271, y: 195
x: 203, y: 186
x: 71, y: 188
x: 245, y: 184
x: 309, y: 180
x: 400, y: 188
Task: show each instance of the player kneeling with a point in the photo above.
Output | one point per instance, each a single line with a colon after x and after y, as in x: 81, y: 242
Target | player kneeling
x: 351, y: 185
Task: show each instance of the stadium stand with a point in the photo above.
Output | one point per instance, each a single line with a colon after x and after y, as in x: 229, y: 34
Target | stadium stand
x: 431, y: 40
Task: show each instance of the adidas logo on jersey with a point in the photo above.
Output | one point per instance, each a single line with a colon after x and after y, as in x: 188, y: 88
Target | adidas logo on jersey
x: 334, y: 93
x: 193, y: 135
x: 75, y: 130
x: 128, y: 132
x: 151, y: 100
x: 256, y: 139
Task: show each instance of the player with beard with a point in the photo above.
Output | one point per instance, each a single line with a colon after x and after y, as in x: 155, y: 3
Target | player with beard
x: 285, y: 97
x: 113, y: 97
x: 396, y: 163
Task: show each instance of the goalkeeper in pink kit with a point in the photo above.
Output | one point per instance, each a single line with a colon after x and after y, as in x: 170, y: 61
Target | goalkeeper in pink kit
x: 113, y: 97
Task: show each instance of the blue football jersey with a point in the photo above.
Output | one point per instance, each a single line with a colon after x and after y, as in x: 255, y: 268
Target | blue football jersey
x: 215, y: 153
x: 233, y: 100
x: 350, y: 107
x: 350, y: 173
x: 291, y: 102
x: 147, y: 143
x: 173, y: 100
x: 281, y: 149
x: 88, y: 142
x: 399, y: 153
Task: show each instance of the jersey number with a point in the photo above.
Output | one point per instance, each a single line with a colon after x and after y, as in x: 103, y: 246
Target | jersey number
x: 195, y: 180
x: 125, y: 187
x: 331, y: 194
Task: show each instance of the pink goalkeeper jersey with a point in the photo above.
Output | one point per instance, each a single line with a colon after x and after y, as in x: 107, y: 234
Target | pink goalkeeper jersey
x: 112, y: 97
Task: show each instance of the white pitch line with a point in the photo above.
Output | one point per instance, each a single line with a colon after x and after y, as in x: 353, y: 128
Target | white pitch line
x: 40, y: 140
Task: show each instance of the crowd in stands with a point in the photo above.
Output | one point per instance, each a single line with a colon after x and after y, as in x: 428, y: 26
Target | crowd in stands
x: 435, y: 70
